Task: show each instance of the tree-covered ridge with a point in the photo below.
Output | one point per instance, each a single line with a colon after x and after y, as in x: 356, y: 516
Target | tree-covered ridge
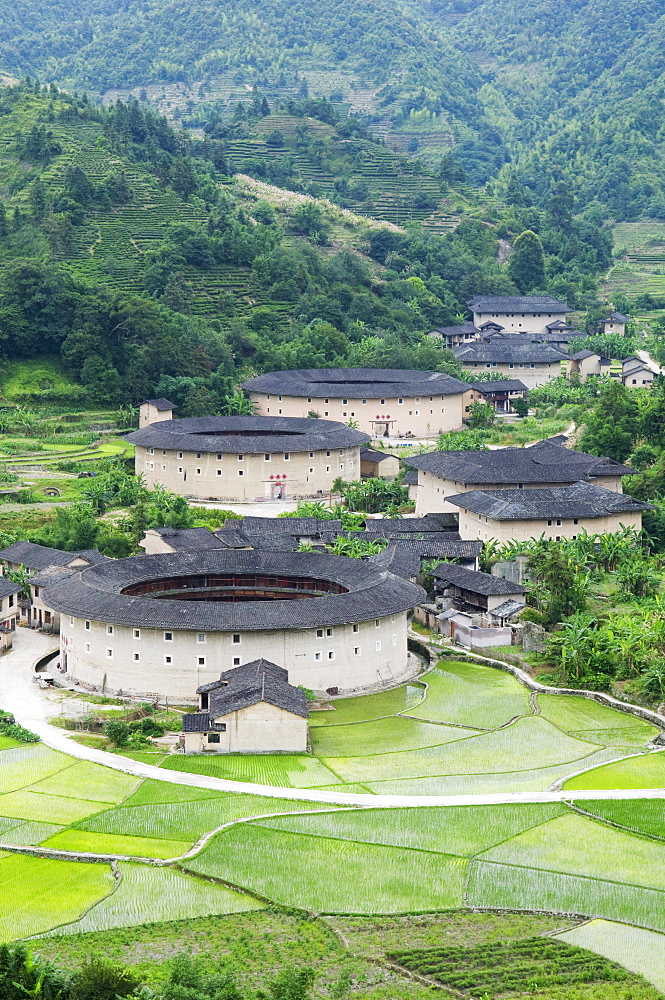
x: 131, y: 254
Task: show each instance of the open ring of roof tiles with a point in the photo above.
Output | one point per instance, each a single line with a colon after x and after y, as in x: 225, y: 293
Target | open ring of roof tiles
x: 370, y: 383
x: 248, y: 435
x: 369, y: 592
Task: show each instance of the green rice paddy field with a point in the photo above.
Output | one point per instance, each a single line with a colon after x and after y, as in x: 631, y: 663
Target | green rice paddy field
x: 465, y: 728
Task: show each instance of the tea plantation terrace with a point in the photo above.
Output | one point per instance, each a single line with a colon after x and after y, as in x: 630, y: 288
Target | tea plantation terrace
x: 163, y: 625
x: 244, y: 458
x: 381, y: 401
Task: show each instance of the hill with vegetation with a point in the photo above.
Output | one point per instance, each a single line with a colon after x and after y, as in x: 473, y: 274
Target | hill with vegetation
x: 144, y: 263
x: 523, y: 93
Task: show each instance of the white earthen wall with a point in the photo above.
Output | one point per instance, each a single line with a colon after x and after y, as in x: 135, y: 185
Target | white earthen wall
x: 478, y: 526
x: 519, y: 322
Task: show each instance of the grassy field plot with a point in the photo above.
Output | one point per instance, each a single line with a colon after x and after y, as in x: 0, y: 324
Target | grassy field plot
x: 85, y: 780
x: 185, y: 821
x: 577, y: 715
x: 151, y: 792
x: 113, y: 843
x: 46, y: 808
x: 333, y: 876
x: 263, y: 769
x: 645, y: 816
x: 599, y: 852
x: 39, y: 893
x: 471, y: 695
x: 461, y: 830
x: 6, y: 742
x: 644, y: 771
x: 31, y: 833
x: 146, y: 895
x: 382, y: 736
x: 633, y: 737
x: 374, y: 936
x: 529, y: 743
x: 25, y: 765
x: 370, y: 706
x: 636, y: 949
x: 513, y: 887
x: 495, y: 969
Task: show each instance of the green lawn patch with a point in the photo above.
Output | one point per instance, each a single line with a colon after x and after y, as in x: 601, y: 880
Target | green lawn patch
x: 6, y: 742
x: 462, y: 830
x: 333, y: 876
x: 89, y: 842
x: 263, y: 769
x: 39, y: 380
x: 368, y: 707
x: 382, y: 736
x: 644, y: 771
x: 151, y: 791
x: 472, y: 695
x: 39, y: 893
x: 146, y: 895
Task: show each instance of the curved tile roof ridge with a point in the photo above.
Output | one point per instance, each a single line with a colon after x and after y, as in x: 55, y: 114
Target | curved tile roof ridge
x: 248, y: 435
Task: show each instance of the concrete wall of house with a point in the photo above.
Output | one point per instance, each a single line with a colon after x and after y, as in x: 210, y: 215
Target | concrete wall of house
x: 352, y: 657
x: 532, y: 375
x: 433, y: 490
x: 613, y: 327
x: 422, y: 416
x: 260, y: 728
x: 9, y: 610
x: 149, y: 414
x: 481, y: 637
x: 478, y: 526
x: 387, y: 468
x: 245, y: 477
x: 41, y: 614
x: 639, y: 378
x: 519, y: 322
x: 584, y: 366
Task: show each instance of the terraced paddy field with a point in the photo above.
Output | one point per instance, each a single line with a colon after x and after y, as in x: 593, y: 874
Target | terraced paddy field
x: 640, y: 266
x: 463, y: 727
x: 165, y: 852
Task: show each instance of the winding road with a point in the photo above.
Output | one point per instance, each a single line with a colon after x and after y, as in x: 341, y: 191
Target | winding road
x: 32, y: 708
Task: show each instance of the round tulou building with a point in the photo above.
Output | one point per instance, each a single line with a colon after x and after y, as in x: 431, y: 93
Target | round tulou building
x: 163, y: 625
x: 247, y: 458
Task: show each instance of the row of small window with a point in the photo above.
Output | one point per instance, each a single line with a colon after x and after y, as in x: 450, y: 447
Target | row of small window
x: 168, y: 636
x: 241, y: 472
x: 201, y: 660
x: 493, y: 364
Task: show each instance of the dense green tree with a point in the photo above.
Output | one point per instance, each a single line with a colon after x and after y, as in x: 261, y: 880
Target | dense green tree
x: 526, y: 265
x: 612, y: 425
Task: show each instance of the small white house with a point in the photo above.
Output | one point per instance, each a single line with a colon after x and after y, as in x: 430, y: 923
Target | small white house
x: 250, y: 709
x: 615, y: 323
x: 154, y: 410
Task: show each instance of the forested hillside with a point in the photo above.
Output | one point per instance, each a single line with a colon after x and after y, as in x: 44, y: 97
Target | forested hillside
x: 145, y: 263
x: 535, y: 91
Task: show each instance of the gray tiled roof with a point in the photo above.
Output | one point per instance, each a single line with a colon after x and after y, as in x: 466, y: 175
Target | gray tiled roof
x: 247, y: 435
x: 546, y: 462
x: 189, y: 538
x: 372, y: 455
x: 400, y: 560
x: 52, y: 574
x: 581, y: 355
x: 507, y: 609
x: 579, y: 500
x: 508, y: 351
x: 478, y: 583
x: 368, y: 592
x: 8, y: 587
x: 356, y: 383
x: 517, y: 304
x: 410, y: 478
x: 249, y: 684
x: 616, y: 317
x: 451, y: 331
x: 500, y: 385
x: 389, y: 526
x: 289, y: 525
x: 162, y: 404
x: 37, y: 557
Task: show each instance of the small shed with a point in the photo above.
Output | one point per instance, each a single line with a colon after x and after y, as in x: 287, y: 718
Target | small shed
x: 250, y: 709
x: 480, y: 591
x: 377, y: 464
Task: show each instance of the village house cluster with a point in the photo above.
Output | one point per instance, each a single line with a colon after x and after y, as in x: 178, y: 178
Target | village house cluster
x: 240, y: 622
